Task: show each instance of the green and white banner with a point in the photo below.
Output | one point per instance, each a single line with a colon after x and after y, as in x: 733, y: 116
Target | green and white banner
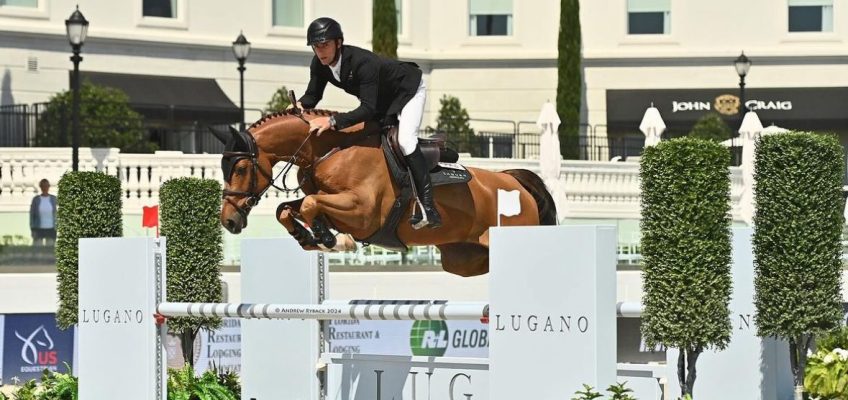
x: 410, y: 338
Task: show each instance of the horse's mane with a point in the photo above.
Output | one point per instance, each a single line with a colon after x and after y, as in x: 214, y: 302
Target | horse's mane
x: 290, y: 112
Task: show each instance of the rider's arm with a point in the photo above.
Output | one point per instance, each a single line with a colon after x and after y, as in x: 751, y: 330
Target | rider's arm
x: 317, y: 83
x: 367, y: 73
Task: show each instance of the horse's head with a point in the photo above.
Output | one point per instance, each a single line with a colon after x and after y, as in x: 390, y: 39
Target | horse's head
x: 247, y: 175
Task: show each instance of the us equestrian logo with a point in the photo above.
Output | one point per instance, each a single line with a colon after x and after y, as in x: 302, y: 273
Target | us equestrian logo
x: 30, y: 352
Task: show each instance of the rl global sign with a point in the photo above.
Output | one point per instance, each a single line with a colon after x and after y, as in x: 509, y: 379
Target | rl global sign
x: 728, y: 104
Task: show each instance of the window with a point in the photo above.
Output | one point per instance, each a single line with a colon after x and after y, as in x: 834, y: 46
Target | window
x: 648, y: 17
x: 288, y: 13
x: 399, y: 13
x: 490, y: 17
x: 810, y: 15
x: 159, y: 8
x: 19, y: 3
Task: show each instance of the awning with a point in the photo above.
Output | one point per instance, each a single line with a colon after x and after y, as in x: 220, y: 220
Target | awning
x: 168, y: 98
x: 791, y: 108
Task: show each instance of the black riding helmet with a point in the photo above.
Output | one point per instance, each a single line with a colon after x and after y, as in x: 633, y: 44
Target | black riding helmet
x: 323, y: 30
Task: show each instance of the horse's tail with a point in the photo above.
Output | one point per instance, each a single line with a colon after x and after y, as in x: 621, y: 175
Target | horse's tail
x: 536, y: 186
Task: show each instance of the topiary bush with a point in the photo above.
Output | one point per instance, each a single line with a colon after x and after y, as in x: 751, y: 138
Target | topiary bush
x: 190, y: 222
x: 797, y: 250
x: 686, y: 249
x: 711, y: 127
x: 89, y: 206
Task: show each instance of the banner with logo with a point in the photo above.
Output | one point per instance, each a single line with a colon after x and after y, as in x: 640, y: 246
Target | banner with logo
x: 33, y: 343
x: 410, y: 338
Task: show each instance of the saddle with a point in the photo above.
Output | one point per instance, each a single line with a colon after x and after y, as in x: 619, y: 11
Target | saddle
x: 443, y: 171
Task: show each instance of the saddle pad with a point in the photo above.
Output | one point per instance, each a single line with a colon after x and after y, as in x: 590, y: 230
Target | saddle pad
x: 448, y: 173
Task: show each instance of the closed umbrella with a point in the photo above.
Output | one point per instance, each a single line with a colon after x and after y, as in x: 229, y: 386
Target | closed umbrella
x: 550, y: 159
x: 652, y: 126
x: 749, y: 133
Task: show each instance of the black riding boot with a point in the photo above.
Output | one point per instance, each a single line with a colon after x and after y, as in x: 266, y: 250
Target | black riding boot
x: 421, y: 179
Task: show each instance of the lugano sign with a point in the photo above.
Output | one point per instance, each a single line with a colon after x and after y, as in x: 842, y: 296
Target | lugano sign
x: 551, y: 331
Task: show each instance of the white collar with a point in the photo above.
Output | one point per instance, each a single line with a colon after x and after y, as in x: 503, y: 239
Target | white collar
x: 337, y: 69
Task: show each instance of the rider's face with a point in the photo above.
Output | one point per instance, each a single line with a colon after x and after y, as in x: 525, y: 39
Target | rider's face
x: 326, y: 51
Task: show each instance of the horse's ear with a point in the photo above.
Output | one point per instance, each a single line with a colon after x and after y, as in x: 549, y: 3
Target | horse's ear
x: 219, y: 134
x: 292, y: 98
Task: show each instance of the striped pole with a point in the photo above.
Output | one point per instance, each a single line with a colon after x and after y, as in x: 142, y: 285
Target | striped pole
x: 426, y: 311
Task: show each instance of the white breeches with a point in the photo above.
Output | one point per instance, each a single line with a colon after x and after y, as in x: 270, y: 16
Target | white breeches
x: 410, y: 120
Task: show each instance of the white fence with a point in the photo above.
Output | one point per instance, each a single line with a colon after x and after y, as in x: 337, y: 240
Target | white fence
x: 593, y: 190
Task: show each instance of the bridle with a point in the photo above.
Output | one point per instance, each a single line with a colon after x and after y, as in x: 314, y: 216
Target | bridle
x: 231, y: 157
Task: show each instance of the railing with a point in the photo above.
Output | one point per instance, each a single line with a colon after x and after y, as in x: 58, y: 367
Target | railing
x: 592, y: 189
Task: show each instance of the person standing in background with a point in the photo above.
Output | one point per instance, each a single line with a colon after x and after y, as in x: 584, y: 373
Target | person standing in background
x: 42, y: 216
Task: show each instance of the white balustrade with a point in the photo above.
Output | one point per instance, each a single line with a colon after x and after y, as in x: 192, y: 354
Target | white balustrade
x: 593, y: 189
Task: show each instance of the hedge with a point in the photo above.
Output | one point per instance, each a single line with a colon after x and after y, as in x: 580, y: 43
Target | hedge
x: 686, y: 248
x: 190, y: 223
x: 89, y: 206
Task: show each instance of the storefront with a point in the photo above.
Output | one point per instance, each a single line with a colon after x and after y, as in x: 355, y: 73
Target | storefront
x: 809, y: 109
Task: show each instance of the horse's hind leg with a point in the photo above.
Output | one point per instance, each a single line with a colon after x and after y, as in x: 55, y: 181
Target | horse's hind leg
x: 465, y: 259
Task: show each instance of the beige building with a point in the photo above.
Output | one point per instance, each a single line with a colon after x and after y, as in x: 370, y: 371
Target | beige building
x: 497, y: 56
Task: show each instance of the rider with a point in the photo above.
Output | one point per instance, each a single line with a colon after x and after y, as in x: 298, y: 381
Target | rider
x: 384, y: 88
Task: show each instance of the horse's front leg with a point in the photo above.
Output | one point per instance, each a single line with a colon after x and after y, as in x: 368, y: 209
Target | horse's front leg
x: 345, y: 208
x: 285, y: 214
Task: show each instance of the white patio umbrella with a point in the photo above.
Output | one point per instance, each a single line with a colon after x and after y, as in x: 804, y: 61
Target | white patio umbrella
x: 773, y: 129
x: 749, y: 133
x: 550, y: 159
x: 549, y: 155
x: 652, y: 126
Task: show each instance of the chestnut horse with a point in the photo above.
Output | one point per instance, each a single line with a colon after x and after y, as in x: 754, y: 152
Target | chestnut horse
x: 348, y: 186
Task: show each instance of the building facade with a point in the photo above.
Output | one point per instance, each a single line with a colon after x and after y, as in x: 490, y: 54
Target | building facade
x: 497, y: 56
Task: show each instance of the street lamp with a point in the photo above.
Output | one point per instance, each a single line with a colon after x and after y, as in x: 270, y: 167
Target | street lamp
x: 77, y: 28
x: 742, y: 64
x: 241, y: 48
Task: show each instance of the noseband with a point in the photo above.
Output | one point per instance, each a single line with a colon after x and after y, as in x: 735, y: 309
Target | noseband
x: 231, y: 157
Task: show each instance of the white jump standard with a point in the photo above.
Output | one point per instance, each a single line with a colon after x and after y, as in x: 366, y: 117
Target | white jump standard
x: 557, y: 273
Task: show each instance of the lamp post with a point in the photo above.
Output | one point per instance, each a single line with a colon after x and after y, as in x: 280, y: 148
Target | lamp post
x: 241, y: 49
x: 742, y: 64
x: 77, y: 28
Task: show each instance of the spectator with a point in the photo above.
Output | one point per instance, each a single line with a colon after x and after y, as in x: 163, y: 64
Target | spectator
x: 42, y: 216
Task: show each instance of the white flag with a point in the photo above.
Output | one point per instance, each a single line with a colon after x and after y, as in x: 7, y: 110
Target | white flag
x: 508, y: 203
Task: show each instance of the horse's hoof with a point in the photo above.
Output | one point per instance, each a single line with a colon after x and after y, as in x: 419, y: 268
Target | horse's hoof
x: 328, y: 240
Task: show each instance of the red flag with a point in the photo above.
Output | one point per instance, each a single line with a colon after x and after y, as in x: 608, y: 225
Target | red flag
x: 150, y: 217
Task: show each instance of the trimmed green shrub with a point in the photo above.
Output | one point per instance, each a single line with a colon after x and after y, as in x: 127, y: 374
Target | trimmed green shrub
x: 711, y: 127
x: 89, y: 206
x: 190, y: 223
x: 454, y: 121
x: 279, y: 101
x: 686, y: 249
x: 797, y: 249
x: 570, y: 79
x: 384, y: 28
x: 106, y: 120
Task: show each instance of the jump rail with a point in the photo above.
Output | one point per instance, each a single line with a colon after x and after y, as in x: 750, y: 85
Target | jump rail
x: 418, y: 311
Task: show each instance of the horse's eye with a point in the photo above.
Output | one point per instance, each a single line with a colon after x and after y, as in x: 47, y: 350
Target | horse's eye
x: 241, y: 171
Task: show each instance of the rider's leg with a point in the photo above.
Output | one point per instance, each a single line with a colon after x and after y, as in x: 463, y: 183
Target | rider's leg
x: 410, y: 121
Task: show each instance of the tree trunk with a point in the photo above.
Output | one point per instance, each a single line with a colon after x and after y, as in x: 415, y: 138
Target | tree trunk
x: 681, y: 370
x: 692, y: 359
x: 793, y: 362
x: 187, y: 345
